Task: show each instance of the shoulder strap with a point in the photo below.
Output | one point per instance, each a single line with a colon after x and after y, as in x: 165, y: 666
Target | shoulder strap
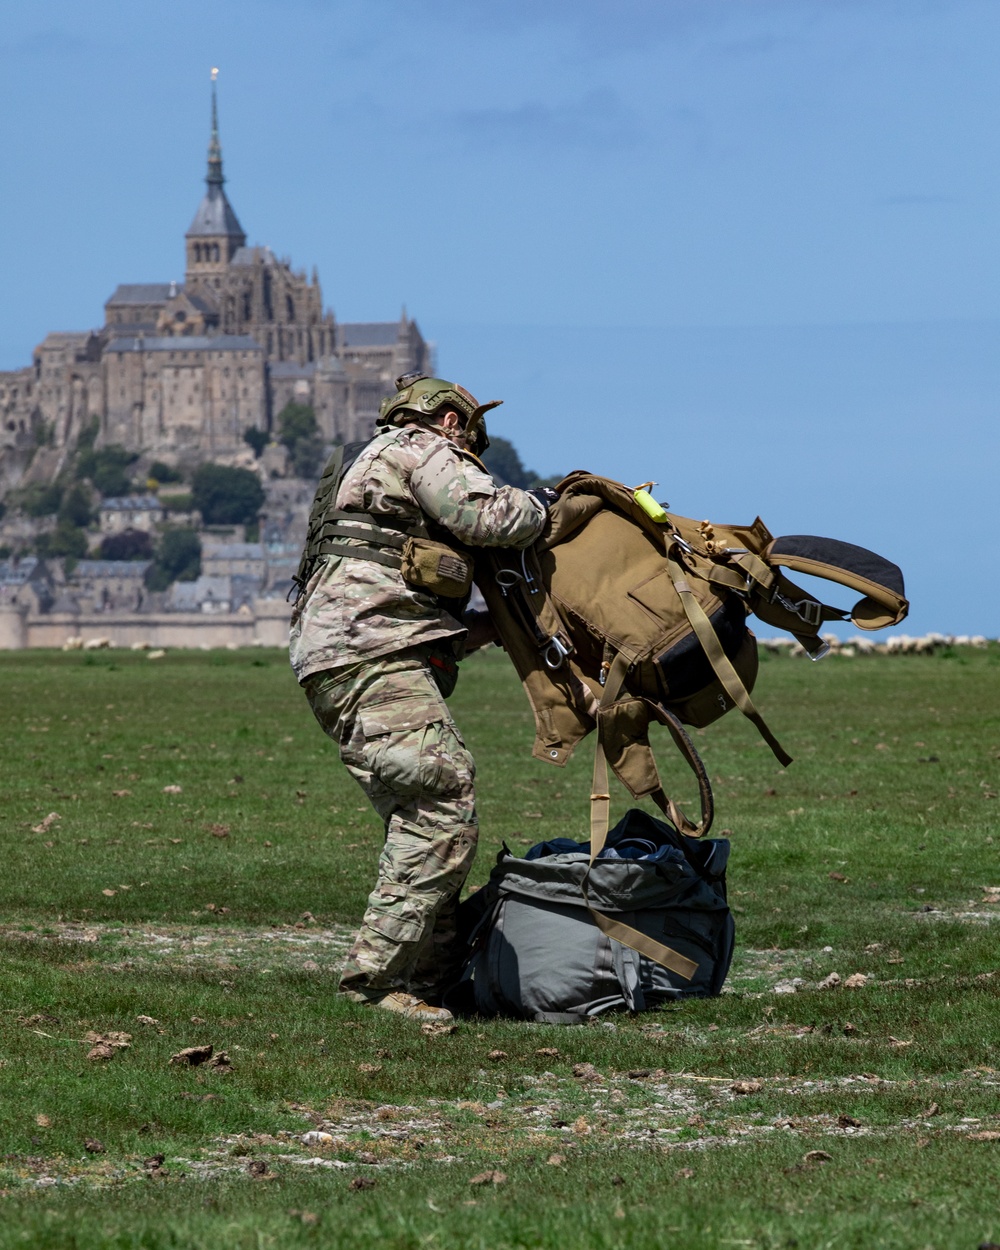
x: 879, y: 580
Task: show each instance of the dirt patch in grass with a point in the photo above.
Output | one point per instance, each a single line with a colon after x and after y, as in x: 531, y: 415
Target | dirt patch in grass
x: 551, y: 1118
x: 307, y: 948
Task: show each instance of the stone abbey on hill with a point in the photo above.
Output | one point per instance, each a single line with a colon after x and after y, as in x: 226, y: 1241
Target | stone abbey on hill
x: 179, y: 372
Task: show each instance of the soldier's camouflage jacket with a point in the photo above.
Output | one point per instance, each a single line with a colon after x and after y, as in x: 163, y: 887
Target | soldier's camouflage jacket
x: 355, y: 609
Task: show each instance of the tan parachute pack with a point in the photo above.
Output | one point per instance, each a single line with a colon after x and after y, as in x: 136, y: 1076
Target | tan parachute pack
x: 623, y: 615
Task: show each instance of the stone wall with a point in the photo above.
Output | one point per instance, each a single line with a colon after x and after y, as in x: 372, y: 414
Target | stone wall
x: 194, y: 397
x: 13, y: 626
x: 265, y: 624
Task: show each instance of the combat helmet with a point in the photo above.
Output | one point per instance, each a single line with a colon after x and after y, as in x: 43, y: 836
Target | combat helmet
x: 418, y: 395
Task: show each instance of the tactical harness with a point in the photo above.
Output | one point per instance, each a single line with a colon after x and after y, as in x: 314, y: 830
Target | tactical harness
x: 402, y: 543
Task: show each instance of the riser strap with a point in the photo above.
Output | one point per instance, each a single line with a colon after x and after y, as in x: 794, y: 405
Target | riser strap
x: 721, y: 664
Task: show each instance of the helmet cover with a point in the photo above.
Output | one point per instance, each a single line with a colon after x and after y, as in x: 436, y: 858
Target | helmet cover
x: 418, y: 395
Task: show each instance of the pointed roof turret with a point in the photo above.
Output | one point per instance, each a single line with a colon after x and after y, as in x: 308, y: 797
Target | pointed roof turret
x: 215, y: 217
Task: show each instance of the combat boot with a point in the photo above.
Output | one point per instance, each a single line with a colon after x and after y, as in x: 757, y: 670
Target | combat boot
x: 413, y: 1008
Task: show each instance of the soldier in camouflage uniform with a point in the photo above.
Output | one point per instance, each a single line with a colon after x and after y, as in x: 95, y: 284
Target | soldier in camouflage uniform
x: 376, y: 656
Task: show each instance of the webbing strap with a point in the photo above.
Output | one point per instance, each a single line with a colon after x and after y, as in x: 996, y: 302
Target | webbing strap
x: 325, y: 490
x: 373, y: 554
x: 600, y: 798
x: 722, y: 575
x: 791, y: 601
x: 369, y: 533
x: 386, y: 521
x: 721, y: 664
x: 666, y: 956
x: 755, y: 568
x: 600, y: 804
x: 695, y: 763
x: 535, y: 606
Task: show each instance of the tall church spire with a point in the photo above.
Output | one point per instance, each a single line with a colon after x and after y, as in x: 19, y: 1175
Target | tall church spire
x: 215, y: 235
x: 214, y: 175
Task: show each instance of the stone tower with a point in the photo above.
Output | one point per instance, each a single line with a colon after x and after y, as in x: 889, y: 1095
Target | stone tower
x: 215, y: 235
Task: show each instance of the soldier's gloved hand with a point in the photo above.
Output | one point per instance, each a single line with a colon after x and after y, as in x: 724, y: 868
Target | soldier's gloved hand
x: 545, y: 495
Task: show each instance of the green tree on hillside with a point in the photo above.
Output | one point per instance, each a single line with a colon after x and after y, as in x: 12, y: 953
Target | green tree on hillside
x: 257, y: 439
x: 178, y: 559
x: 295, y: 422
x: 226, y: 496
x: 505, y: 464
x: 37, y: 500
x: 76, y: 507
x: 106, y: 468
x: 66, y: 539
x: 298, y: 430
x: 159, y: 471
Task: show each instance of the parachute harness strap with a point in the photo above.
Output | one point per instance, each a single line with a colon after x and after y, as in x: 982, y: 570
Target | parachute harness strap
x: 532, y: 604
x: 721, y: 664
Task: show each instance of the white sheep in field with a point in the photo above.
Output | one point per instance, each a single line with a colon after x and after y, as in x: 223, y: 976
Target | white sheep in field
x: 97, y: 644
x: 895, y: 644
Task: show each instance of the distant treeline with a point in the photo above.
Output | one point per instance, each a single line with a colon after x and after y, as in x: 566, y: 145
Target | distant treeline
x: 503, y: 461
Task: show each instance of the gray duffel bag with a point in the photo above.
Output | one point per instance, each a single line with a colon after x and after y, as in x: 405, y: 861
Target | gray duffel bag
x: 537, y: 953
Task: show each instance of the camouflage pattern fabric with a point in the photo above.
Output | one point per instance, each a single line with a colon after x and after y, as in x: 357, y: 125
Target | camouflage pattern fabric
x: 398, y: 740
x: 356, y: 609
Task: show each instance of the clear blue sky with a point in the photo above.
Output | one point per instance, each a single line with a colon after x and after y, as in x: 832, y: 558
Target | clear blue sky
x: 745, y: 247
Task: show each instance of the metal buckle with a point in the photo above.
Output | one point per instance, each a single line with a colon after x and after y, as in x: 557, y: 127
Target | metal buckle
x: 682, y: 543
x: 507, y: 579
x: 561, y: 652
x: 808, y: 610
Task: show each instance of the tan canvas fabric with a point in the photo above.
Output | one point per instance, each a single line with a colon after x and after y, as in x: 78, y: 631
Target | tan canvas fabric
x: 606, y: 580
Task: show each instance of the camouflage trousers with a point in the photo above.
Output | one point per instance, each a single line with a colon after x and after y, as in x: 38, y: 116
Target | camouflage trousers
x: 398, y: 740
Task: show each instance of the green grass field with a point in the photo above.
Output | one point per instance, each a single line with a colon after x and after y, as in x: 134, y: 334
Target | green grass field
x: 184, y: 857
